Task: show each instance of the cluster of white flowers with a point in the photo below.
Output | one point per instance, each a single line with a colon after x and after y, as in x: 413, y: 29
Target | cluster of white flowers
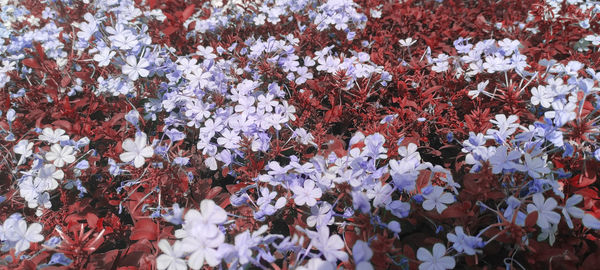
x: 46, y: 170
x: 487, y: 56
x: 15, y: 234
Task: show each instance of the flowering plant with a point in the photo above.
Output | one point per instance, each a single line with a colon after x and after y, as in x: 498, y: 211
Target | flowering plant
x: 310, y: 134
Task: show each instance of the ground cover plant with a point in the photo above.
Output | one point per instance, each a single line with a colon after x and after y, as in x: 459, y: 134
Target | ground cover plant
x: 306, y: 134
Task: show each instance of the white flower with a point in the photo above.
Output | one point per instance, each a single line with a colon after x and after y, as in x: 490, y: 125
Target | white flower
x: 317, y: 263
x: 410, y: 153
x: 53, y: 136
x: 187, y: 65
x: 331, y: 246
x: 25, y: 149
x: 260, y: 19
x: 509, y: 46
x: 230, y: 139
x: 171, y: 259
x: 480, y: 90
x: 440, y: 66
x: 496, y: 63
x: 123, y: 39
x: 407, y: 42
x: 136, y: 150
x: 201, y: 236
x: 47, y: 177
x: 541, y: 96
x: 206, y: 52
x: 104, y: 56
x: 204, y: 250
x: 320, y: 215
x: 87, y: 28
x: 435, y: 261
x: 382, y: 194
x: 60, y: 155
x: 24, y: 236
x: 594, y: 39
x: 437, y: 199
x: 546, y: 215
x: 135, y: 69
x: 30, y: 190
x: 204, y: 223
x: 308, y: 194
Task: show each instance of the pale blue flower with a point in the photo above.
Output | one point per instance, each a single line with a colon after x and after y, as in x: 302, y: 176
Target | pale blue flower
x: 464, y: 243
x: 436, y: 260
x: 546, y: 215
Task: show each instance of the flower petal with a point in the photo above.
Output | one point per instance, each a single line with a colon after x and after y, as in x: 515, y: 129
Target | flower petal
x: 129, y: 145
x: 127, y: 156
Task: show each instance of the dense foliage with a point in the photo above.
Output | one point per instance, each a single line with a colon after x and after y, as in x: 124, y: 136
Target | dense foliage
x: 299, y: 134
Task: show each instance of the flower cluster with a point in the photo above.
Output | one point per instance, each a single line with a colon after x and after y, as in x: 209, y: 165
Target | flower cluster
x: 310, y: 134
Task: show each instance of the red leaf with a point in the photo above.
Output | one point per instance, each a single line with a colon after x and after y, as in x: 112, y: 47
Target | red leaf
x: 583, y: 180
x: 144, y: 229
x: 32, y: 63
x: 430, y: 91
x: 40, y: 51
x: 62, y: 124
x: 152, y: 4
x: 169, y: 30
x: 455, y: 211
x: 350, y: 237
x: 213, y: 192
x: 333, y: 115
x: 92, y: 220
x: 187, y: 12
x: 531, y: 219
x: 423, y: 179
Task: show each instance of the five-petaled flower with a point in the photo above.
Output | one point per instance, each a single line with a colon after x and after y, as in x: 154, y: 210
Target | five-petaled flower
x: 437, y: 199
x: 24, y: 236
x: 172, y: 257
x: 134, y: 68
x: 136, y: 150
x: 435, y: 260
x: 307, y: 194
x: 545, y: 210
x: 53, y: 136
x: 60, y: 155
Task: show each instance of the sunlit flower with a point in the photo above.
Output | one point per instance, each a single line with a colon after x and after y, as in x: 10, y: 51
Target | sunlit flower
x: 171, y: 259
x: 24, y: 235
x: 136, y: 150
x: 53, y: 136
x: 307, y: 194
x: 60, y: 155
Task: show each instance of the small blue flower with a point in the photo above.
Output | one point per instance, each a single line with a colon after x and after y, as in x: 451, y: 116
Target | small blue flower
x: 418, y: 198
x: 53, y: 241
x: 59, y: 258
x: 83, y: 165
